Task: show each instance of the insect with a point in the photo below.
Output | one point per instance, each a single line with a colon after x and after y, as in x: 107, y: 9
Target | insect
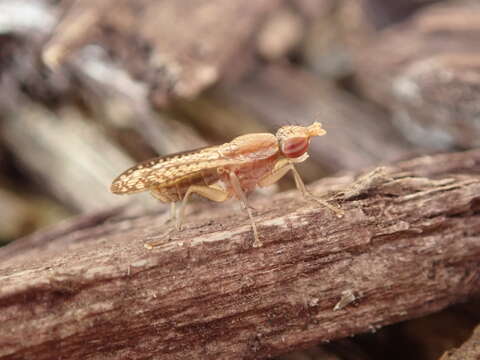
x: 224, y: 171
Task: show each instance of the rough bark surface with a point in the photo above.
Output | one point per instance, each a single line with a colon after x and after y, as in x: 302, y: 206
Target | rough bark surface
x: 408, y: 245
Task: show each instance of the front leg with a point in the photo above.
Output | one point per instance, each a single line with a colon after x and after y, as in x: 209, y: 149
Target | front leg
x: 281, y: 170
x: 211, y: 192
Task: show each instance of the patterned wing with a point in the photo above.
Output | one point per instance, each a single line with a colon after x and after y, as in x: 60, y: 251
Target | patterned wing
x: 172, y: 169
x: 163, y: 171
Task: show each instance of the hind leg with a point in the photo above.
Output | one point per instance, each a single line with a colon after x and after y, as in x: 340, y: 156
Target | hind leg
x: 237, y: 188
x: 210, y: 192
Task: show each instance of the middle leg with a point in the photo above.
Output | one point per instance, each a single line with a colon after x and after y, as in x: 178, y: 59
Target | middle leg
x: 237, y: 188
x: 210, y: 192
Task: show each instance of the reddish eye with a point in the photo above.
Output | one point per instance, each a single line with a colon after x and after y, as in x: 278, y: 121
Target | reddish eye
x: 296, y: 147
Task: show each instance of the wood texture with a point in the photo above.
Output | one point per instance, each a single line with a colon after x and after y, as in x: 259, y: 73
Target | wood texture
x: 408, y: 245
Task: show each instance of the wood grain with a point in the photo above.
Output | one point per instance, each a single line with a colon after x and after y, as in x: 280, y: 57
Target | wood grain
x: 408, y: 245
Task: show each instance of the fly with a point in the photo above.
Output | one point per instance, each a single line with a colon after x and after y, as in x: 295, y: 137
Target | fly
x: 224, y: 171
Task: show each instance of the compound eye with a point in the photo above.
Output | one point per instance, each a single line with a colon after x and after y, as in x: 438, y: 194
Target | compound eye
x: 294, y: 147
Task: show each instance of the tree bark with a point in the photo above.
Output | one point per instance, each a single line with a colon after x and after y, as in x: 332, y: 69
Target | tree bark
x: 408, y: 245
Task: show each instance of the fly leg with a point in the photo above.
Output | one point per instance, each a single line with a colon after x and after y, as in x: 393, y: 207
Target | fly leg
x: 172, y: 212
x: 308, y: 195
x: 210, y: 192
x: 237, y: 188
x: 282, y: 170
x: 157, y: 194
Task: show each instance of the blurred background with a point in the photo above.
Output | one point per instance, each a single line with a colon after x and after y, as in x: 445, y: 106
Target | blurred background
x: 88, y: 88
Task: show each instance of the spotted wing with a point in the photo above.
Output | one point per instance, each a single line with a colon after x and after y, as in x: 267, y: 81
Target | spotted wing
x: 168, y: 170
x: 173, y: 169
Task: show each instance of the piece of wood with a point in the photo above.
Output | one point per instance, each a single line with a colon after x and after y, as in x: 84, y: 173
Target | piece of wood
x: 123, y: 106
x: 59, y: 144
x: 94, y: 79
x: 334, y: 35
x: 408, y: 245
x: 68, y: 165
x: 177, y: 47
x: 426, y: 71
x: 21, y: 214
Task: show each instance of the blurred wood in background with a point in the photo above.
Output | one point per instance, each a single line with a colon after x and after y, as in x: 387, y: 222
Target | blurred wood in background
x: 427, y: 72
